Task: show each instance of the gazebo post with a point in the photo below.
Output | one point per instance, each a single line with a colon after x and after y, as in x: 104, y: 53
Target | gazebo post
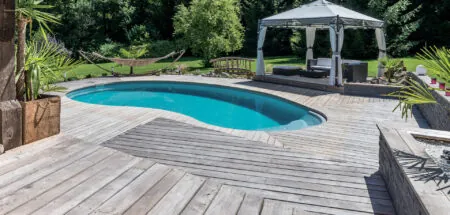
x: 336, y: 30
x: 381, y: 42
x: 260, y: 67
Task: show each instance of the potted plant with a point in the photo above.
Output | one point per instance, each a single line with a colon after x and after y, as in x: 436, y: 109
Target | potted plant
x: 392, y: 68
x: 437, y: 61
x: 45, y: 63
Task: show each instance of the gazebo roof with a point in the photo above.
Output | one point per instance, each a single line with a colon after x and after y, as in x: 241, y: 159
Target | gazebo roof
x: 321, y: 14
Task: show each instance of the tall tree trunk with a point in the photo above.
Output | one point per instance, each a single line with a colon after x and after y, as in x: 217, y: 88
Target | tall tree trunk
x: 20, y: 57
x: 131, y: 70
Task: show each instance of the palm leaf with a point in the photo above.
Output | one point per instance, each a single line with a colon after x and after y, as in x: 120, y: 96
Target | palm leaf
x: 412, y: 94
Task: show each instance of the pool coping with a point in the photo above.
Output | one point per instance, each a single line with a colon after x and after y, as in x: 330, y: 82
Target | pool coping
x: 261, y: 136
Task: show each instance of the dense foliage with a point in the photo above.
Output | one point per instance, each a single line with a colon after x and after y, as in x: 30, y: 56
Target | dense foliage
x: 210, y: 28
x: 89, y: 25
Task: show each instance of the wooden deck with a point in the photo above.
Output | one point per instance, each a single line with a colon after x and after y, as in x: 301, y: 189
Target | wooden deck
x: 185, y: 166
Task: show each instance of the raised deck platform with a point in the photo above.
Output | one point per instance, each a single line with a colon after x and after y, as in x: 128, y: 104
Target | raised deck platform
x: 190, y: 167
x: 299, y: 81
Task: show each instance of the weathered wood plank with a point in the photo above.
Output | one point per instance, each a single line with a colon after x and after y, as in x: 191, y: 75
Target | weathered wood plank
x: 120, y: 202
x: 10, y: 123
x: 157, y: 192
x: 179, y: 196
x: 67, y: 195
x: 200, y: 202
x: 252, y: 205
x: 7, y: 51
x: 39, y: 182
x: 94, y: 201
x: 227, y: 201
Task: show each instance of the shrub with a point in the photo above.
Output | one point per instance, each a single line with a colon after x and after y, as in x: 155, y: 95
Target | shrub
x: 138, y: 35
x: 110, y: 49
x: 161, y: 48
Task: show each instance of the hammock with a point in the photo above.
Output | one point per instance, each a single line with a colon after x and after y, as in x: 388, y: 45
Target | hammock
x: 131, y: 62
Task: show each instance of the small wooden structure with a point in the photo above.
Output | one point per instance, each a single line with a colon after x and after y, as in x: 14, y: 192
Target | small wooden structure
x: 233, y: 65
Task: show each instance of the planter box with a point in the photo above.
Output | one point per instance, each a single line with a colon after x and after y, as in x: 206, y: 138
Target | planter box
x: 437, y: 115
x: 414, y: 181
x: 41, y: 118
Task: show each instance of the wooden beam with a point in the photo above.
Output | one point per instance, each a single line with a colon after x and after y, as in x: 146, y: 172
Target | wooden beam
x: 7, y: 26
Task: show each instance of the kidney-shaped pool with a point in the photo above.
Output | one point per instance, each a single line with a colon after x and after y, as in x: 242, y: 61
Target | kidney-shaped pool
x: 216, y: 105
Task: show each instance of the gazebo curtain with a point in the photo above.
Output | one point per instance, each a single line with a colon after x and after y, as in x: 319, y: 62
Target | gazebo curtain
x: 310, y: 38
x: 260, y: 67
x: 336, y: 35
x: 381, y: 41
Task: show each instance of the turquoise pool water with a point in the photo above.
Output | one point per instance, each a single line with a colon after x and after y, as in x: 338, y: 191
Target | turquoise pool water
x: 220, y: 106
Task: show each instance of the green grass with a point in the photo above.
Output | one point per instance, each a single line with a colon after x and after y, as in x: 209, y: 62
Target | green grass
x: 195, y: 65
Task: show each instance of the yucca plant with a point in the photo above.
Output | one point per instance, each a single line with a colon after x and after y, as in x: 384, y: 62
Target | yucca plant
x: 437, y: 61
x: 27, y: 12
x: 45, y: 63
x: 392, y: 67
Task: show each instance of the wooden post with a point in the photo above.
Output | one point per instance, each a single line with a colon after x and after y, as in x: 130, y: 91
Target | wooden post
x: 10, y: 109
x: 7, y: 26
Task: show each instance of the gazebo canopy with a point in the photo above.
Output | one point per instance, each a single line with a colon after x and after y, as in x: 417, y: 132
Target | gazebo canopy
x: 320, y: 14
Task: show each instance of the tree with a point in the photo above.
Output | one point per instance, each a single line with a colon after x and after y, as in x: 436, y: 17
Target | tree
x: 28, y: 11
x: 210, y: 28
x: 401, y: 21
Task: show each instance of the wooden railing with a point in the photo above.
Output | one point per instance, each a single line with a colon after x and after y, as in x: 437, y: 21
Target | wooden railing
x: 234, y: 65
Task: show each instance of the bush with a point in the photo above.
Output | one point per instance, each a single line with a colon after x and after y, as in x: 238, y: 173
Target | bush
x: 110, y: 49
x: 138, y: 35
x: 161, y: 48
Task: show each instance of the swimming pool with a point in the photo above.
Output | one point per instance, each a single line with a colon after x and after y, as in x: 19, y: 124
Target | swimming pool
x: 216, y: 105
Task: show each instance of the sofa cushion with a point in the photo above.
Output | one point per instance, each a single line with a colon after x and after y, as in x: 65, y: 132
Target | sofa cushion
x: 318, y: 67
x: 326, y: 62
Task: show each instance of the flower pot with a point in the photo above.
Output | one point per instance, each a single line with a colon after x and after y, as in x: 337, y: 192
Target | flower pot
x: 447, y: 92
x: 41, y: 118
x: 433, y: 80
x: 441, y: 86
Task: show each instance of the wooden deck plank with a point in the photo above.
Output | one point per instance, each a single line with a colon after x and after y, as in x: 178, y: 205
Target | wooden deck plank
x: 152, y: 196
x: 94, y: 201
x: 67, y: 195
x: 203, y: 198
x: 179, y: 196
x: 120, y: 202
x: 227, y: 201
x: 35, y: 185
x: 252, y: 205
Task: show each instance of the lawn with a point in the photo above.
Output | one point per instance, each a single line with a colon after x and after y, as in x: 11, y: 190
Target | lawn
x: 195, y: 65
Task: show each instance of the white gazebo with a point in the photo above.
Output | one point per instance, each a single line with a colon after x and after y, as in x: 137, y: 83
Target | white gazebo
x: 322, y: 14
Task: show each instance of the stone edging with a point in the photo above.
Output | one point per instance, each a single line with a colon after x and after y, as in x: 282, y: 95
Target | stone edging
x: 371, y: 90
x: 409, y: 182
x: 437, y: 115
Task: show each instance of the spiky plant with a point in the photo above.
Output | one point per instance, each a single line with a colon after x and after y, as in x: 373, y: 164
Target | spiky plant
x: 27, y: 12
x: 437, y: 61
x: 45, y: 63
